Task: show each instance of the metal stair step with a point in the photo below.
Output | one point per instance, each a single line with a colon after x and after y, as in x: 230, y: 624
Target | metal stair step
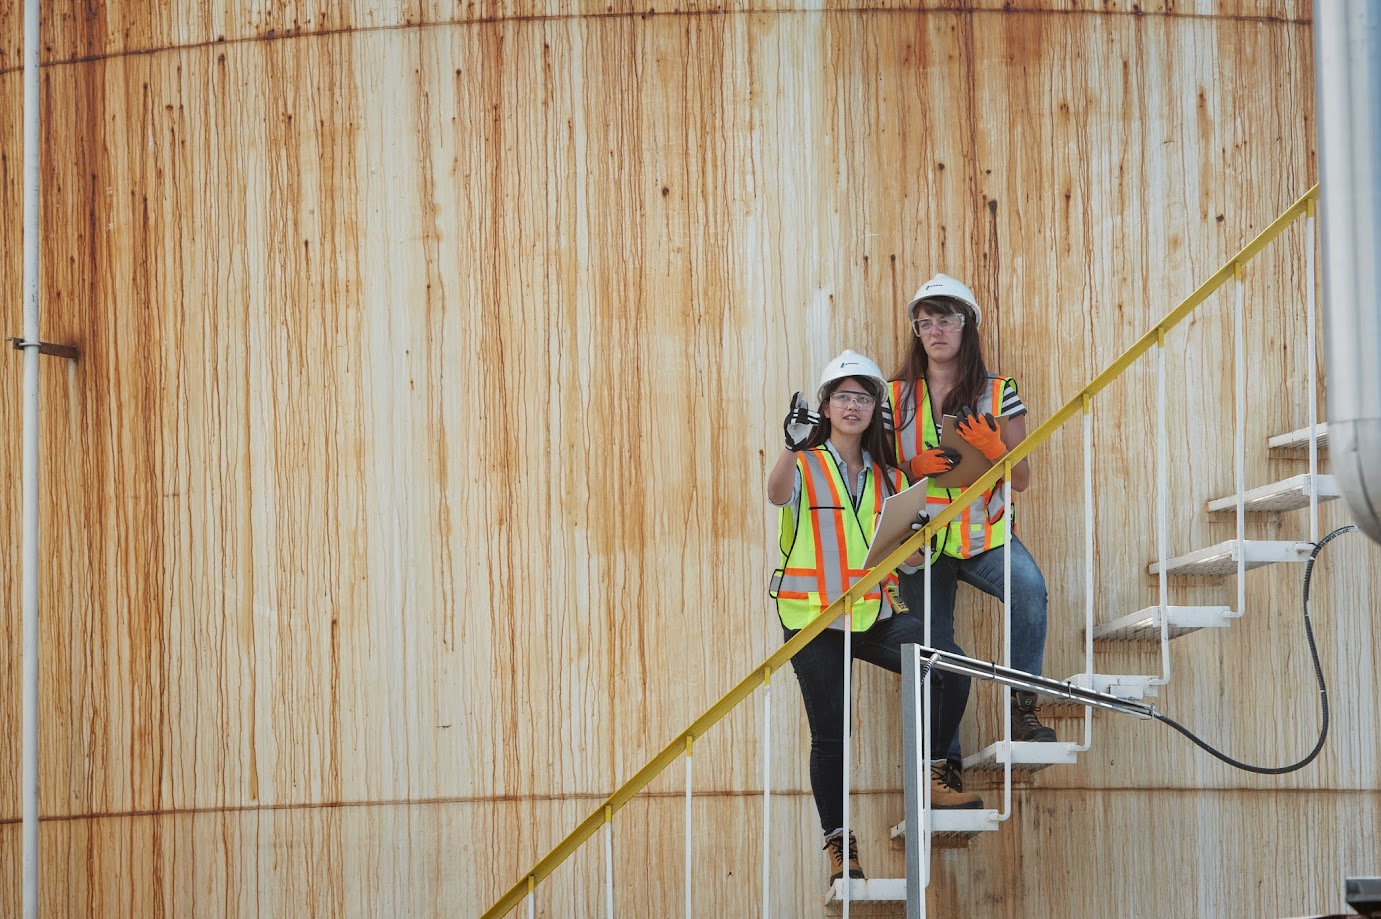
x: 1026, y: 757
x: 1298, y: 440
x: 1144, y: 624
x: 1287, y: 495
x: 870, y: 890
x: 1221, y: 560
x: 1134, y: 686
x: 951, y: 828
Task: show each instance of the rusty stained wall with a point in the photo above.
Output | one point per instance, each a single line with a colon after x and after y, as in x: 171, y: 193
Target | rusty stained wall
x: 75, y: 29
x: 407, y: 496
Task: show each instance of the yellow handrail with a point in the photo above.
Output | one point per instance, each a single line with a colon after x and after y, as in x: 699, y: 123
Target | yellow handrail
x: 778, y: 658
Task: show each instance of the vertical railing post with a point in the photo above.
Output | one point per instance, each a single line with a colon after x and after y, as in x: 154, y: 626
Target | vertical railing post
x: 766, y: 792
x: 1162, y: 509
x: 1088, y: 565
x: 609, y: 861
x: 689, y: 764
x: 1310, y: 313
x: 1240, y: 435
x: 1007, y: 640
x: 916, y: 756
x: 531, y: 897
x: 848, y: 718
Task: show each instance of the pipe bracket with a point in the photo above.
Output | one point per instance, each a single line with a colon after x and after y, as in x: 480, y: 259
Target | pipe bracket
x: 70, y: 352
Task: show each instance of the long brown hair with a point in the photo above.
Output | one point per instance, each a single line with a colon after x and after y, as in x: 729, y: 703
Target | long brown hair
x: 879, y: 443
x: 973, y: 373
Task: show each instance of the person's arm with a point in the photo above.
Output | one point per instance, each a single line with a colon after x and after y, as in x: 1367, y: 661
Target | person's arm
x: 781, y: 481
x: 1014, y: 435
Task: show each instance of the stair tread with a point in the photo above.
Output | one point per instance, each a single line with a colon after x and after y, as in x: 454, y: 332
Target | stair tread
x: 891, y: 890
x: 1134, y: 686
x: 1144, y: 624
x: 1219, y: 560
x: 1026, y: 756
x: 954, y: 824
x: 1286, y: 495
x: 1298, y: 439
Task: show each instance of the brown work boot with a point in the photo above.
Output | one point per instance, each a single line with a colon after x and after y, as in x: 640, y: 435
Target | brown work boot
x: 944, y: 796
x: 1025, y: 725
x: 953, y: 776
x: 834, y: 845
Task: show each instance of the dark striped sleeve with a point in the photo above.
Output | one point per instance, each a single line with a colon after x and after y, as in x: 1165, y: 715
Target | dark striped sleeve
x: 1012, y: 405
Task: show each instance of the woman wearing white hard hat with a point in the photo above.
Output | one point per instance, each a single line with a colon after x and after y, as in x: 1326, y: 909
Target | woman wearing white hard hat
x: 838, y: 466
x: 944, y: 374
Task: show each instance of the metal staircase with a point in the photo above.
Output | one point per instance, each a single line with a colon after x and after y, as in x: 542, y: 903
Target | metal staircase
x: 956, y: 829
x: 1161, y: 623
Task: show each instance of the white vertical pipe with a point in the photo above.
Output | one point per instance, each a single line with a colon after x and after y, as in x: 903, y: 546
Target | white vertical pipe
x: 1347, y: 88
x: 1309, y: 310
x: 1240, y: 439
x: 689, y: 764
x: 531, y: 898
x: 766, y: 795
x: 848, y: 683
x: 608, y: 863
x: 1162, y: 509
x: 29, y: 563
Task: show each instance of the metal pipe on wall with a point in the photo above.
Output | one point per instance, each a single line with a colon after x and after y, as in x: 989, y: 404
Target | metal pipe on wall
x: 29, y: 562
x: 1347, y: 68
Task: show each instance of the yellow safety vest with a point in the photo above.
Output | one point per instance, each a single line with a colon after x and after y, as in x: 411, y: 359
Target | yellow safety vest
x: 825, y: 545
x: 983, y: 524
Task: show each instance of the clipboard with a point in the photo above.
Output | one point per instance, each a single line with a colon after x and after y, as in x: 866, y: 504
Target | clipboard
x: 894, y: 523
x: 972, y: 463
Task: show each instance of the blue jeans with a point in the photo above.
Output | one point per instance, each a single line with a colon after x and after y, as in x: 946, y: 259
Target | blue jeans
x: 984, y: 571
x: 820, y: 670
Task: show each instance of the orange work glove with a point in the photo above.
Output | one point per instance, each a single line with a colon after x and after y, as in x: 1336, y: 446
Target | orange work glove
x: 981, y: 431
x: 935, y: 461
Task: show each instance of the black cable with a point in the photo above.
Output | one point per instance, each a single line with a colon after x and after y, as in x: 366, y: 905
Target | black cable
x: 1318, y: 674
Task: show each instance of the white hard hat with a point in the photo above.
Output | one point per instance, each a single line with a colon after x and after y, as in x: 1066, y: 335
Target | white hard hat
x: 942, y: 285
x: 852, y: 364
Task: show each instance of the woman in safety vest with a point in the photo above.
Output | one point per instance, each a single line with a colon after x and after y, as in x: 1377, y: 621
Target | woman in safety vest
x: 944, y: 375
x: 830, y: 482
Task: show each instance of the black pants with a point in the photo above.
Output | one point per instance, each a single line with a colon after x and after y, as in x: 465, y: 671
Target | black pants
x: 820, y: 670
